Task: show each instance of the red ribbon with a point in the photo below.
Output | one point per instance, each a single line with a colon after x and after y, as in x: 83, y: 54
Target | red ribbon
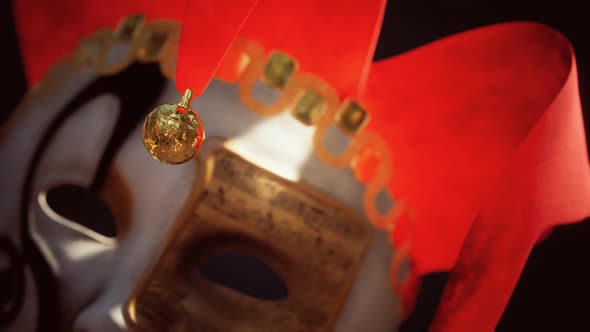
x: 207, y: 32
x: 485, y: 127
x: 486, y: 132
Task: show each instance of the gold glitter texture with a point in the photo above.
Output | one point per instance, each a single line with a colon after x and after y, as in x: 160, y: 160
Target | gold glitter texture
x: 172, y: 136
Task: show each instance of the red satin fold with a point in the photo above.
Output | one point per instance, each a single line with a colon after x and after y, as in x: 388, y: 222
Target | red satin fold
x: 484, y: 127
x: 546, y: 184
x: 486, y: 132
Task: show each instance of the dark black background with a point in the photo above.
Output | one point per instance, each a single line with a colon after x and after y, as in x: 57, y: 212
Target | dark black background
x: 554, y: 291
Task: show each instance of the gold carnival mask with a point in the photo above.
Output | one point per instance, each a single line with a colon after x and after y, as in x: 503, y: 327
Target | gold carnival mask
x: 266, y: 229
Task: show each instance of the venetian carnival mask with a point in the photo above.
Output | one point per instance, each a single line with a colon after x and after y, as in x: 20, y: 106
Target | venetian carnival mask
x: 293, y: 215
x: 257, y: 233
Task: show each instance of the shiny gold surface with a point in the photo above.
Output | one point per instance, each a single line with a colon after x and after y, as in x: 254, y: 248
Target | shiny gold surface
x: 170, y: 136
x: 158, y: 41
x: 151, y: 44
x: 309, y: 107
x: 173, y: 133
x: 92, y: 47
x: 124, y: 39
x: 279, y: 69
x: 352, y: 118
x: 315, y: 244
x: 129, y: 27
x: 185, y: 100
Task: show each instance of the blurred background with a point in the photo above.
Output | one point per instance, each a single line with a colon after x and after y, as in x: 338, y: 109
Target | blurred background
x: 553, y: 293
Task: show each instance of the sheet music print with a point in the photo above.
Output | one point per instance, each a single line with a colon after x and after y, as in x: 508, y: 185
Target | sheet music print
x: 313, y: 242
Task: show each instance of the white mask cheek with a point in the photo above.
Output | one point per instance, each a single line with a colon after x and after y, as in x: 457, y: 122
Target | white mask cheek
x: 19, y: 138
x: 159, y: 193
x: 372, y: 304
x: 71, y: 249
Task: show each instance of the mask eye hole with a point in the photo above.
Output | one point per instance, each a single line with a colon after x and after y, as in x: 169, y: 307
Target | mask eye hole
x: 245, y: 274
x: 83, y: 207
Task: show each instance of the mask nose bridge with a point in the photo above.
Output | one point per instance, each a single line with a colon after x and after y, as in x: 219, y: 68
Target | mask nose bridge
x: 232, y: 260
x: 160, y: 197
x: 249, y: 210
x: 132, y: 260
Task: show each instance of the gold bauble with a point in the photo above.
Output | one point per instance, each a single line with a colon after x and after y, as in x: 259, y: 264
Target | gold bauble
x: 173, y: 133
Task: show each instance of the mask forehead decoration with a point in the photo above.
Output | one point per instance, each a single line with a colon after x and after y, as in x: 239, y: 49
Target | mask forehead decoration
x: 269, y: 187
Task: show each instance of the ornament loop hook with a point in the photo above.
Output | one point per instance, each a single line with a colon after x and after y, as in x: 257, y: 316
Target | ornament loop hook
x: 186, y: 99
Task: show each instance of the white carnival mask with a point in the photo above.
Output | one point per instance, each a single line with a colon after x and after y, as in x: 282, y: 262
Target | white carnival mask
x: 255, y: 234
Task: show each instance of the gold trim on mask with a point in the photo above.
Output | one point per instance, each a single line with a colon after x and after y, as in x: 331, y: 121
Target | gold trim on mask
x: 313, y: 242
x: 296, y: 86
x: 158, y: 41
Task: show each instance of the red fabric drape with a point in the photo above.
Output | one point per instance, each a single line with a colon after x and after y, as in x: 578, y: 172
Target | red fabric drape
x: 486, y: 132
x: 484, y: 127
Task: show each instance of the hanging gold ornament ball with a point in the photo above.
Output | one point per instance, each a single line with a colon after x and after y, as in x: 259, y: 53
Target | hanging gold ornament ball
x: 173, y: 133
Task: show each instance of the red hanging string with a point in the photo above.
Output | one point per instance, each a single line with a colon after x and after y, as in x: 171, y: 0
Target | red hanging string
x: 208, y: 29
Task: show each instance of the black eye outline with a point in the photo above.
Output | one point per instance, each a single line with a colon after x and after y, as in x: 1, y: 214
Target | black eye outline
x: 135, y: 102
x: 12, y: 280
